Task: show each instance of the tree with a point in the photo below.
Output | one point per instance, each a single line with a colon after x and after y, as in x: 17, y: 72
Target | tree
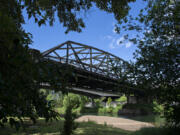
x: 21, y: 69
x: 44, y: 11
x: 69, y: 123
x: 158, y: 54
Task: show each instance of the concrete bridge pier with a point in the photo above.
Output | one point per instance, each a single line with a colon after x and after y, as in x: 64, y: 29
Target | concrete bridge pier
x: 132, y: 99
x: 138, y: 100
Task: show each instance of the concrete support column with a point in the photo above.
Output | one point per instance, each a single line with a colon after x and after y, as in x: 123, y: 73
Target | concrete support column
x: 131, y: 99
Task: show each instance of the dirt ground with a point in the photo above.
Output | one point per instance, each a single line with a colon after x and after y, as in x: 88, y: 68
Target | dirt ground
x: 125, y: 124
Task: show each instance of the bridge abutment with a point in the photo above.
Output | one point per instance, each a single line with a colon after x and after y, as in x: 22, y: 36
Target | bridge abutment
x: 137, y: 106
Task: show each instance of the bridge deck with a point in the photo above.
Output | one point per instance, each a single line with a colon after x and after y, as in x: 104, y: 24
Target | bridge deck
x: 90, y: 68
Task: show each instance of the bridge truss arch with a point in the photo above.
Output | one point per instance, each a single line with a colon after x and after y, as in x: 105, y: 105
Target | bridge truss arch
x: 88, y: 58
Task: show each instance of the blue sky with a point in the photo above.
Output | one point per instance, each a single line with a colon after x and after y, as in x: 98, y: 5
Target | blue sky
x: 99, y: 32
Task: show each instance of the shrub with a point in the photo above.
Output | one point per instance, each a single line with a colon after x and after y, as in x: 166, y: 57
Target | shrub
x: 84, y: 100
x: 122, y: 99
x: 109, y: 101
x: 102, y: 110
x: 76, y: 101
x: 109, y: 110
x: 116, y: 109
x: 72, y: 100
x: 98, y: 104
x: 158, y: 109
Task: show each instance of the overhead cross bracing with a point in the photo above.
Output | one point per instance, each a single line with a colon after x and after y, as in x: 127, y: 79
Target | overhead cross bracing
x: 88, y: 58
x: 91, y: 68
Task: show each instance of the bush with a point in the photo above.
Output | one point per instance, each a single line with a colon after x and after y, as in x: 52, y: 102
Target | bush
x: 109, y: 101
x: 116, y: 109
x: 72, y: 100
x: 84, y: 100
x: 122, y: 99
x: 76, y: 101
x: 102, y: 110
x: 158, y: 109
x: 110, y: 110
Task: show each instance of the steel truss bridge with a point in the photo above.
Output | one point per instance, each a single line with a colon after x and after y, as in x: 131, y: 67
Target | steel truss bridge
x: 98, y: 73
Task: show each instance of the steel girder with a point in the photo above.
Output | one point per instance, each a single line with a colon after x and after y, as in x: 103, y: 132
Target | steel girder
x: 88, y: 58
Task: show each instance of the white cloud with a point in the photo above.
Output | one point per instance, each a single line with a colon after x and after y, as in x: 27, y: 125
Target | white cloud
x: 111, y: 45
x: 128, y: 44
x: 114, y: 30
x: 119, y: 40
x: 148, y: 31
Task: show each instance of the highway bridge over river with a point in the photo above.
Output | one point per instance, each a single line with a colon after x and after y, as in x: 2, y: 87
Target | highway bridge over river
x: 96, y: 72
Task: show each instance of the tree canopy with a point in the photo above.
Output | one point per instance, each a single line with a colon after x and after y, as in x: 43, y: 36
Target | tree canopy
x: 157, y: 67
x: 157, y: 57
x: 21, y: 71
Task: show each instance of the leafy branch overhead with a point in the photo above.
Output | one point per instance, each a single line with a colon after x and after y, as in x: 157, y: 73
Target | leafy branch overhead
x: 69, y: 12
x: 21, y: 71
x: 157, y: 57
x: 158, y: 53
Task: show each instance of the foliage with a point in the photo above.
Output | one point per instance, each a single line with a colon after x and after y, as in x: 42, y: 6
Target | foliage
x: 84, y: 100
x: 76, y: 101
x: 71, y: 100
x: 159, y: 57
x: 158, y: 109
x: 156, y: 69
x: 109, y: 101
x: 69, y: 123
x: 21, y: 71
x: 157, y: 131
x: 19, y: 92
x: 102, y: 110
x: 98, y: 104
x: 117, y: 108
x: 109, y: 109
x: 45, y: 11
x: 122, y: 99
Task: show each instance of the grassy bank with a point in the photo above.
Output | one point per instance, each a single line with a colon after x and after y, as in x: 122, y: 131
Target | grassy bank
x: 157, y: 131
x: 54, y: 128
x: 88, y: 128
